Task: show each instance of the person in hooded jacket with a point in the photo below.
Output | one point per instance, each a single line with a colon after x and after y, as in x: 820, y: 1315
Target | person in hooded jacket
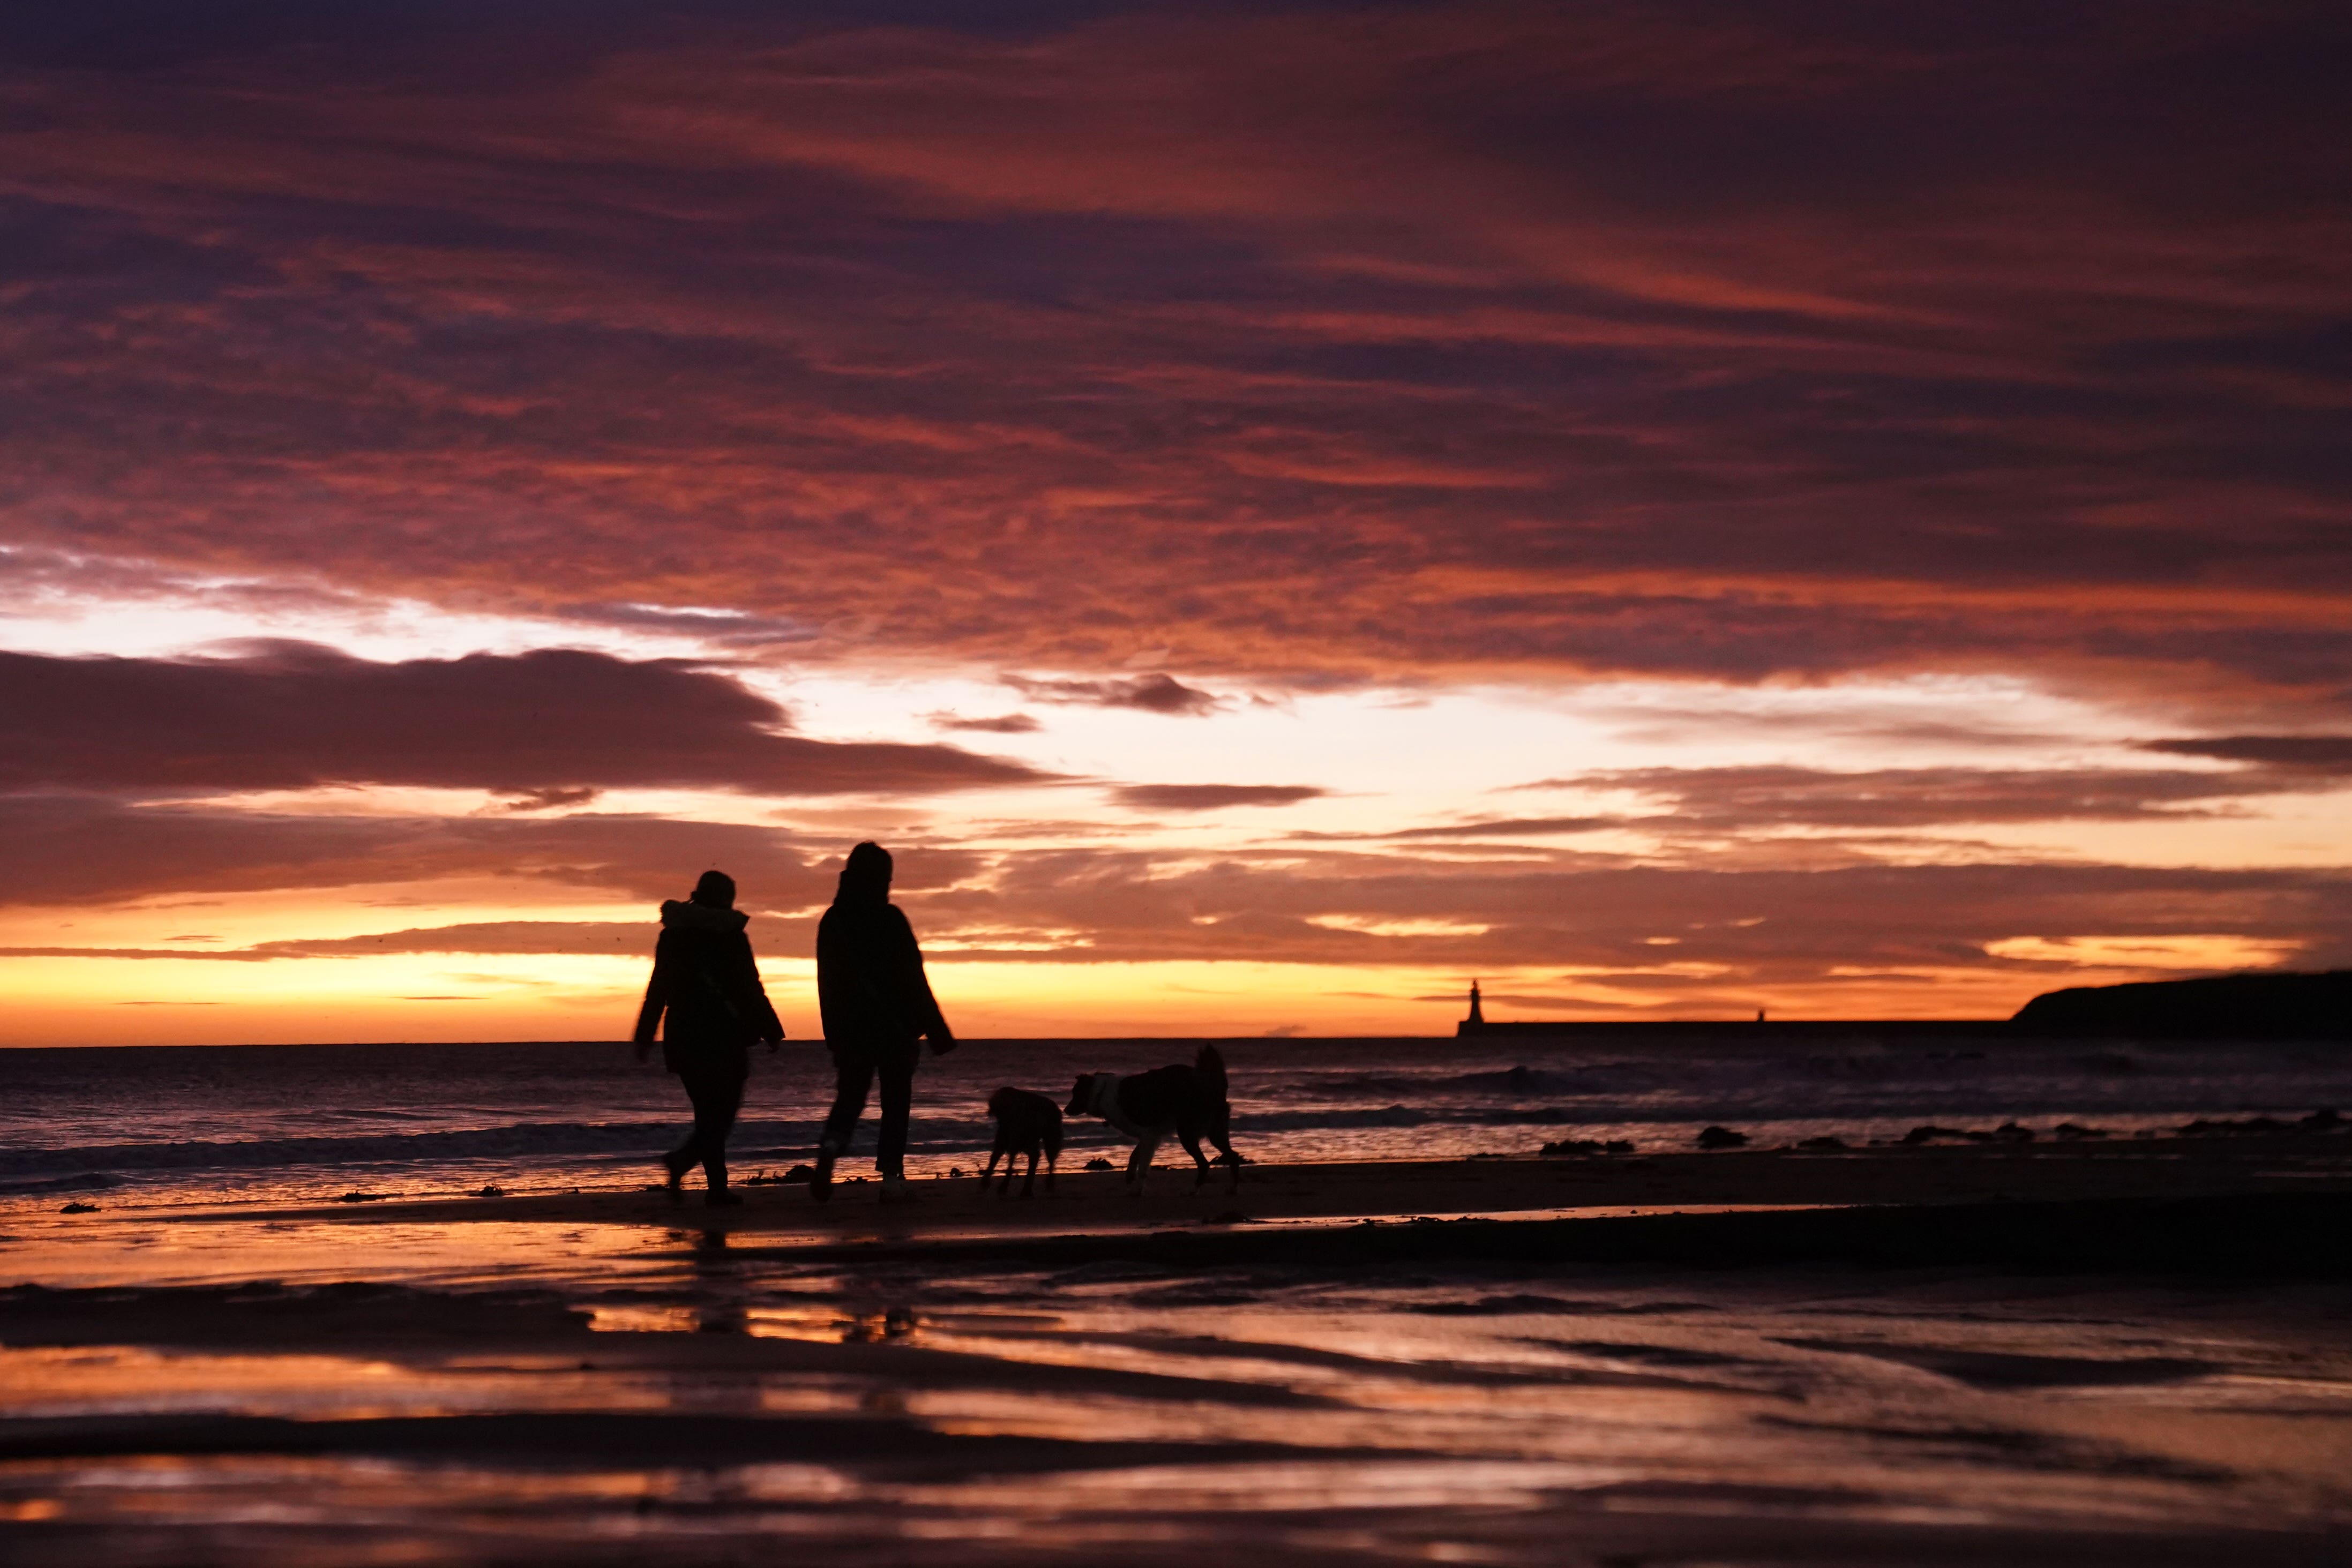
x: 707, y: 996
x: 877, y: 1004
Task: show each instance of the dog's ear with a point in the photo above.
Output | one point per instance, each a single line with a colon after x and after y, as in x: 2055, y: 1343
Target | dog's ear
x: 1077, y: 1105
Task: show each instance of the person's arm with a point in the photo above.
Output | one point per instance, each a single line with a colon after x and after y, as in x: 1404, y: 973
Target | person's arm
x: 828, y: 978
x: 928, y: 1019
x: 759, y: 1009
x: 657, y: 990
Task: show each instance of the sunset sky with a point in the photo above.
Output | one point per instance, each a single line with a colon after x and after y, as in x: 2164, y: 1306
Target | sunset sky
x: 1270, y: 511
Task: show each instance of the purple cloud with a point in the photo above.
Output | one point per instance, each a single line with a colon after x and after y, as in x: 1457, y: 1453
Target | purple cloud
x: 548, y: 727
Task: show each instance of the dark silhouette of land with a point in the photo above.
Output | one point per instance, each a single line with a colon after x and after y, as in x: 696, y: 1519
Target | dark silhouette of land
x: 2224, y: 1006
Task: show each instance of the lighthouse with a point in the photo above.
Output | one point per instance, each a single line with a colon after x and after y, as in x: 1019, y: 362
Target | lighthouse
x: 1477, y: 1016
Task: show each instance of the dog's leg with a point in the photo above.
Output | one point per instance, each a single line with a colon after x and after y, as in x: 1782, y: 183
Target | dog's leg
x: 991, y: 1171
x: 1221, y: 1133
x: 1139, y: 1162
x: 1192, y: 1137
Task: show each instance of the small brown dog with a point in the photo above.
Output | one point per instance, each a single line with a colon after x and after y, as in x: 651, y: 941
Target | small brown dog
x: 1025, y: 1124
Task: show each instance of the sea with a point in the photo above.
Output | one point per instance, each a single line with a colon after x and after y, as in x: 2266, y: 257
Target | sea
x: 268, y: 1123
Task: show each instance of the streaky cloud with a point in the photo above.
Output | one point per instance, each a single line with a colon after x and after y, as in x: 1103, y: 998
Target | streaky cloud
x: 548, y: 727
x: 1161, y: 693
x: 2323, y: 754
x: 1212, y: 797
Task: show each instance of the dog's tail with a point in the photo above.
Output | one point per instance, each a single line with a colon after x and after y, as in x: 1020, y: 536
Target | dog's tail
x: 1212, y: 1069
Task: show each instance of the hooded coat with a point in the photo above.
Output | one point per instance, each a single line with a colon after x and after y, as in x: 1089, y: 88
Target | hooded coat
x: 870, y: 986
x: 705, y: 992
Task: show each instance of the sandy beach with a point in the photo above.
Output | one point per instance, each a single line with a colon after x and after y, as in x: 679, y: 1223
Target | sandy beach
x: 2126, y: 1351
x: 2236, y: 1207
x: 1100, y: 1202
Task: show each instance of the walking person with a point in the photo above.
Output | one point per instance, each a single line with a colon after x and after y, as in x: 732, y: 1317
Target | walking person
x: 706, y: 995
x: 876, y: 1004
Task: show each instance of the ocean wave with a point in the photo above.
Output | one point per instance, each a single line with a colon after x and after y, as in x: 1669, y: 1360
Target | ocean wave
x: 85, y: 1181
x: 21, y: 1169
x: 1515, y: 1082
x: 520, y: 1139
x: 297, y: 1114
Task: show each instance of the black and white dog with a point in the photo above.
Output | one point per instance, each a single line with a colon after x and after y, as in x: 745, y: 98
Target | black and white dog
x: 1025, y: 1124
x: 1147, y: 1106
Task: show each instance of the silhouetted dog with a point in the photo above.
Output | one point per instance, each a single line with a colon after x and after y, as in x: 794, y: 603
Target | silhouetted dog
x: 1026, y: 1123
x: 1147, y: 1106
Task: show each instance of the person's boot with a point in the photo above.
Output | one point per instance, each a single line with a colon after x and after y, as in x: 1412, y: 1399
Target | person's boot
x: 721, y: 1197
x: 677, y: 1162
x: 820, y: 1184
x: 895, y: 1190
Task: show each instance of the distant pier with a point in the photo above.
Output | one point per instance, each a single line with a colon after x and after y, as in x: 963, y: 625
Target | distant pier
x: 1741, y: 1029
x: 1476, y: 1025
x: 2266, y: 1005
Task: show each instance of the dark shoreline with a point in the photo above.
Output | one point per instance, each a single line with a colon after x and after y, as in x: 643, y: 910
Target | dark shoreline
x: 2236, y: 1237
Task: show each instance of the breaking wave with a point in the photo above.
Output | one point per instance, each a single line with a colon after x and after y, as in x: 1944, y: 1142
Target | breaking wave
x: 631, y: 1140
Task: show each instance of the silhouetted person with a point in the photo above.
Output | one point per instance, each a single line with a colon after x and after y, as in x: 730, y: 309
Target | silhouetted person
x: 706, y: 995
x: 877, y: 1004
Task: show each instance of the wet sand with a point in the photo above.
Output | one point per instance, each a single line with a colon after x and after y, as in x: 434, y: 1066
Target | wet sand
x: 2128, y: 1352
x: 1928, y: 1193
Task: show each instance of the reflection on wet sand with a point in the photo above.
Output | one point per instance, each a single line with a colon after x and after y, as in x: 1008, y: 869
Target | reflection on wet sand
x: 618, y: 1395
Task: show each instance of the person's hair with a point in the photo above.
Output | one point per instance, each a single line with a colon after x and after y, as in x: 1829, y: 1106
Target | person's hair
x: 716, y: 889
x: 864, y: 875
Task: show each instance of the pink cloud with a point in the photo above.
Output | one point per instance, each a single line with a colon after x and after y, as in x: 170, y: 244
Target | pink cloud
x: 550, y: 727
x: 1454, y: 340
